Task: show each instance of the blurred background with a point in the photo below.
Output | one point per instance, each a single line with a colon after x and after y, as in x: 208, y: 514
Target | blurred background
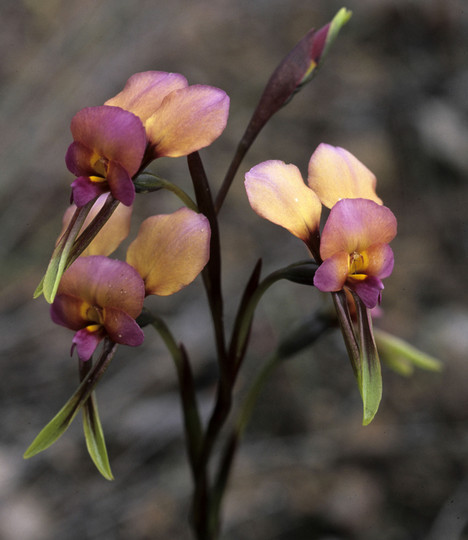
x: 394, y: 91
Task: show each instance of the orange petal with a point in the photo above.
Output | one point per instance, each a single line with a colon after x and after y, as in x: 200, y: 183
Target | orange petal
x: 170, y: 250
x: 187, y: 120
x: 111, y: 235
x: 334, y: 174
x: 277, y: 192
x: 143, y: 93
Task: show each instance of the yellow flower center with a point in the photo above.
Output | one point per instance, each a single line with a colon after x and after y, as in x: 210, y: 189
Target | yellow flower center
x: 100, y: 165
x: 92, y: 314
x: 357, y: 265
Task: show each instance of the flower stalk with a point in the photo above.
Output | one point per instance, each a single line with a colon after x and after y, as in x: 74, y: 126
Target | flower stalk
x: 101, y: 299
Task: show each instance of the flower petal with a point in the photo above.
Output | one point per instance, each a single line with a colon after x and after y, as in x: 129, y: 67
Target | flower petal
x: 120, y: 184
x: 334, y: 174
x: 114, y: 134
x: 332, y: 273
x: 277, y: 192
x: 84, y: 190
x: 86, y: 343
x: 122, y: 328
x: 187, y: 120
x: 68, y: 311
x: 79, y: 159
x: 355, y: 225
x: 112, y: 234
x: 380, y: 261
x: 170, y: 250
x: 103, y: 282
x: 144, y: 92
x: 369, y: 290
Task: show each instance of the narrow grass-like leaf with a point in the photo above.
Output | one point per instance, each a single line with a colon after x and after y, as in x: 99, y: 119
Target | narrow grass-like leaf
x: 398, y: 352
x: 62, y: 420
x: 94, y: 436
x: 58, y: 262
x: 58, y: 425
x: 370, y: 377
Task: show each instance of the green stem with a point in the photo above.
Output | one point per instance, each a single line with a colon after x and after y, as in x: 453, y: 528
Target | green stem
x: 240, y: 335
x: 237, y: 350
x: 147, y: 182
x: 88, y: 235
x: 300, y: 272
x: 212, y: 272
x: 242, y: 149
x: 192, y: 422
x: 62, y: 420
x: 61, y: 255
x: 303, y: 337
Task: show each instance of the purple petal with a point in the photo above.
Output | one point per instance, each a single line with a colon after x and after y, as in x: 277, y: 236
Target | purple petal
x: 120, y: 184
x: 355, y: 225
x: 114, y: 134
x: 84, y: 190
x: 122, y: 328
x: 86, y: 343
x: 369, y: 290
x: 79, y: 159
x: 332, y: 273
x: 105, y: 283
x: 67, y: 311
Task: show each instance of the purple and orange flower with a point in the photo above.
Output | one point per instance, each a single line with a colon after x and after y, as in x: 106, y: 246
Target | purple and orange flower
x: 108, y: 148
x: 99, y: 297
x: 156, y: 114
x: 353, y: 248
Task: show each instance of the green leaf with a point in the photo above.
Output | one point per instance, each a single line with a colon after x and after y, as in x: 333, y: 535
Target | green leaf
x: 244, y: 317
x: 369, y: 375
x: 147, y: 182
x: 62, y: 420
x: 95, y: 437
x: 57, y: 426
x: 398, y: 353
x: 58, y: 262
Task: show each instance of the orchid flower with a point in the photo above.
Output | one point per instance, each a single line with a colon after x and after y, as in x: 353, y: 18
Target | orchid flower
x: 170, y: 250
x: 179, y: 119
x: 99, y: 297
x: 353, y: 250
x: 354, y: 244
x: 108, y: 148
